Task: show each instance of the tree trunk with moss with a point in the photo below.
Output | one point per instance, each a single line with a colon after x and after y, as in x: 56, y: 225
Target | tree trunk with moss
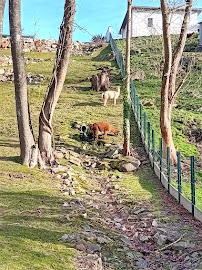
x: 56, y: 84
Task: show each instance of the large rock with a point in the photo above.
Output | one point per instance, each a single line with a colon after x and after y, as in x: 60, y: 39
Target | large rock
x: 127, y: 164
x: 75, y: 160
x: 182, y: 245
x: 70, y: 238
x: 129, y: 167
x: 91, y: 247
x: 2, y: 71
x: 142, y: 263
x: 161, y: 239
x: 138, y: 75
x: 112, y: 153
x: 135, y: 51
x: 59, y: 169
x: 90, y: 262
x: 58, y: 154
x: 148, y: 103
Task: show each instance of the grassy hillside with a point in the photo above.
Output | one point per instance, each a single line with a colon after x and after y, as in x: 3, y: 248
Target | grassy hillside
x: 32, y: 217
x: 31, y: 204
x: 187, y: 114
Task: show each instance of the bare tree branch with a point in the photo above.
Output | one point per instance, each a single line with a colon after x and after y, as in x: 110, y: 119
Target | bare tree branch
x: 179, y: 88
x: 172, y: 10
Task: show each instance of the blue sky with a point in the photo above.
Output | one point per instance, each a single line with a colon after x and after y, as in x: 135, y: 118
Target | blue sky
x: 43, y: 17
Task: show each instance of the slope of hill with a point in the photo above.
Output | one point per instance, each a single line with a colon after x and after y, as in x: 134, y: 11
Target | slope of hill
x: 35, y: 214
x: 147, y: 55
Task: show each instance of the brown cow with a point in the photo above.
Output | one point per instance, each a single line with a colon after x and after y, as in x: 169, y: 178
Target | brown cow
x: 100, y: 81
x: 95, y: 82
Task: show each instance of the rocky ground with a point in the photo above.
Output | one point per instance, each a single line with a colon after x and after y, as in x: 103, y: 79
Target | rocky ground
x: 117, y: 230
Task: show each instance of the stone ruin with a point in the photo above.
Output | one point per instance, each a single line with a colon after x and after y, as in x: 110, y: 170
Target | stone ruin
x: 31, y: 44
x: 6, y: 75
x: 49, y: 45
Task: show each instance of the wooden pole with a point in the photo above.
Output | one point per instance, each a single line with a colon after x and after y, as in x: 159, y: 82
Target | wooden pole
x: 127, y: 102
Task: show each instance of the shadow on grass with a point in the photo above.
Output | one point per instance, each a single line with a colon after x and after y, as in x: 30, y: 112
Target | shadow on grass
x: 134, y: 132
x: 83, y: 104
x: 34, y: 209
x: 42, y: 235
x: 9, y: 143
x: 97, y: 147
x: 15, y: 159
x: 82, y: 88
x: 74, y: 87
x: 146, y: 176
x: 104, y: 55
x: 23, y: 200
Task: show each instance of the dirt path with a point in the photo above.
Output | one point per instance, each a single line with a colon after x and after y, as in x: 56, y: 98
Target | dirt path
x: 128, y: 232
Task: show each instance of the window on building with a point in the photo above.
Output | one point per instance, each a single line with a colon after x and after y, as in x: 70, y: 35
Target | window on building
x: 150, y: 22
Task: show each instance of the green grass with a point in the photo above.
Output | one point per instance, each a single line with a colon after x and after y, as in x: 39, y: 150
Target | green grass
x: 31, y: 214
x: 186, y: 115
x: 32, y: 219
x: 34, y: 55
x: 189, y: 100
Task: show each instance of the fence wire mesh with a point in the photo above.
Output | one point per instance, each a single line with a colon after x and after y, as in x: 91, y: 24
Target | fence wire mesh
x: 180, y: 176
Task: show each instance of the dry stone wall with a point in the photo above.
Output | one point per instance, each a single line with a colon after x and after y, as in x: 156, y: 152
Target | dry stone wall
x: 39, y: 45
x: 6, y: 75
x: 50, y: 45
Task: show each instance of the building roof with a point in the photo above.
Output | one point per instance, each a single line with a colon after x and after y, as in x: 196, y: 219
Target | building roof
x: 24, y: 36
x: 158, y: 8
x: 199, y: 10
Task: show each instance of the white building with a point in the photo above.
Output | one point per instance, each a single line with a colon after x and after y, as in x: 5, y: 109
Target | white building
x: 200, y: 33
x: 147, y: 21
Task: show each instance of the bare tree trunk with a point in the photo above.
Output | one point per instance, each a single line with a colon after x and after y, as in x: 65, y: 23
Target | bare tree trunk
x: 2, y: 8
x: 168, y: 89
x: 56, y: 84
x: 126, y: 128
x: 27, y: 143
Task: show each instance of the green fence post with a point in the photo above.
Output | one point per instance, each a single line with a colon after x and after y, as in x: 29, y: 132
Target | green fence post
x: 153, y: 146
x: 179, y: 175
x: 140, y: 117
x: 148, y: 138
x: 131, y: 94
x: 168, y: 168
x: 137, y: 109
x: 192, y: 184
x: 134, y: 104
x: 161, y: 156
x: 145, y: 126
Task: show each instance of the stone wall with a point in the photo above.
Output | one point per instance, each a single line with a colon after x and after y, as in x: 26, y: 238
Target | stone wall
x: 39, y: 45
x: 49, y: 45
x: 6, y: 75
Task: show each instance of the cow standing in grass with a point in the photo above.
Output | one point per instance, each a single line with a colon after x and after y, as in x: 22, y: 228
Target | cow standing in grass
x: 100, y: 82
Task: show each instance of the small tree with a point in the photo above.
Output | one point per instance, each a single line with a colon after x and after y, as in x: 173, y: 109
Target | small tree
x: 28, y: 148
x: 97, y: 38
x: 126, y: 127
x: 2, y: 8
x: 27, y: 143
x: 172, y: 60
x: 56, y: 84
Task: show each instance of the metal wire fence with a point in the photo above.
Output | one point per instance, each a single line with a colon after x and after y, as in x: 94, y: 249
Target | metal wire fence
x: 170, y: 176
